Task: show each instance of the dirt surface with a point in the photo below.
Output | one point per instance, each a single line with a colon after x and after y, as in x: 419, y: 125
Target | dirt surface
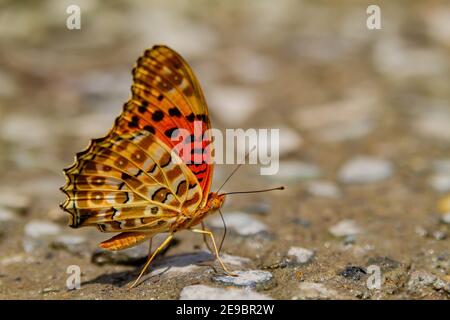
x: 364, y: 150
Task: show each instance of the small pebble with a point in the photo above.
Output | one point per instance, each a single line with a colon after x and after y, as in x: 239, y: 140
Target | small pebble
x: 296, y: 170
x: 365, y: 170
x: 250, y: 279
x: 38, y: 234
x: 38, y: 229
x: 202, y: 292
x: 353, y: 272
x: 240, y: 222
x: 420, y: 279
x: 71, y: 243
x: 323, y: 189
x: 182, y: 263
x: 301, y: 255
x: 345, y: 228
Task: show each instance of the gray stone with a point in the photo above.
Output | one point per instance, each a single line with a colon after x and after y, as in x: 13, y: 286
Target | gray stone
x: 419, y: 279
x: 202, y: 292
x: 182, y: 263
x: 240, y: 222
x: 323, y: 189
x: 353, y: 272
x: 296, y: 170
x: 345, y: 228
x: 312, y: 290
x: 300, y: 255
x: 364, y: 169
x: 38, y: 229
x: 39, y: 234
x: 250, y: 279
x: 71, y: 243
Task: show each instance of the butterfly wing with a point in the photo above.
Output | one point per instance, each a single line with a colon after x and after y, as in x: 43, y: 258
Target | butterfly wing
x: 132, y: 180
x: 167, y: 96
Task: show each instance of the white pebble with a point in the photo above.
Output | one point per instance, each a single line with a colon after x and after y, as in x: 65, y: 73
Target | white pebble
x: 345, y: 228
x: 202, y: 292
x: 37, y: 229
x: 249, y: 278
x: 296, y: 170
x: 323, y: 189
x: 301, y: 255
x: 365, y: 170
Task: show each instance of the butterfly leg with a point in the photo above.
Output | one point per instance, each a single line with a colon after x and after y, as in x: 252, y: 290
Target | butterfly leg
x: 204, y: 238
x: 161, y: 247
x: 150, y: 246
x: 209, y: 233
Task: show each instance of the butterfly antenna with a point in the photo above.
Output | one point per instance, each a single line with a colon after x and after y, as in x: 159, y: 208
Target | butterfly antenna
x: 235, y: 169
x: 255, y: 191
x: 224, y: 230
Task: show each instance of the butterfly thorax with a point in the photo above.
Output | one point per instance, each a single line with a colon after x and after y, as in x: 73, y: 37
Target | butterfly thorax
x: 214, y: 202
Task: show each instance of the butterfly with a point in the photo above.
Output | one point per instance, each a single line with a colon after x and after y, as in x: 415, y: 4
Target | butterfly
x: 137, y: 181
x: 131, y: 181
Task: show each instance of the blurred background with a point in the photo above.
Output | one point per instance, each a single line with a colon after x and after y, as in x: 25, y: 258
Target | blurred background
x: 365, y: 139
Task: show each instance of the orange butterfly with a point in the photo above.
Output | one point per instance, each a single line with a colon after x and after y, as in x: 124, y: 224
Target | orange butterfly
x: 131, y: 181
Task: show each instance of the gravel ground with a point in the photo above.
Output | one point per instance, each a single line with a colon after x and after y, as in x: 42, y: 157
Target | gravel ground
x: 364, y: 149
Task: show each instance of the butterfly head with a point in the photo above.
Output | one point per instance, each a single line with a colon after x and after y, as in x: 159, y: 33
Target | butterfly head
x: 215, y: 201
